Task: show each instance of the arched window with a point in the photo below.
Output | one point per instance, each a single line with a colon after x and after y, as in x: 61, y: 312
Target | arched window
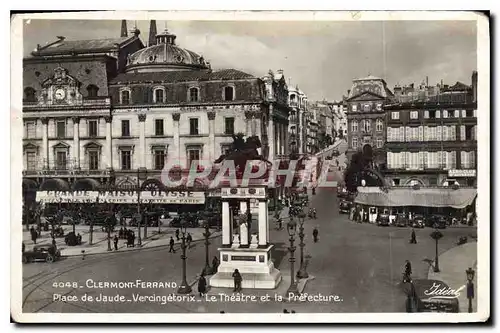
x: 228, y: 93
x: 125, y: 97
x: 159, y: 95
x: 194, y: 95
x: 92, y: 90
x: 29, y: 95
x: 354, y: 126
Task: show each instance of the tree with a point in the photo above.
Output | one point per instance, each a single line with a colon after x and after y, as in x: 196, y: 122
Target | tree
x: 54, y: 215
x: 361, y: 167
x: 32, y: 213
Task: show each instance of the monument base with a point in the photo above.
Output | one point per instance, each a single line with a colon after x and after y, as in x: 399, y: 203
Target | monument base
x: 254, y: 264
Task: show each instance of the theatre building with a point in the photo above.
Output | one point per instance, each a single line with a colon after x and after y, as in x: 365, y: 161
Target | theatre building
x: 432, y: 136
x: 112, y: 113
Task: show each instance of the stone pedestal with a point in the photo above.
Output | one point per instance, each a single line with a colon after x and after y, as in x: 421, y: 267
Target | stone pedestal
x: 254, y: 264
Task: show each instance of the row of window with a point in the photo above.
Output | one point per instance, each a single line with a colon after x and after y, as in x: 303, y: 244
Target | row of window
x: 366, y: 107
x: 431, y: 160
x: 365, y: 125
x: 355, y: 142
x: 159, y: 95
x: 431, y: 133
x: 61, y: 160
x: 93, y: 128
x: 61, y: 129
x: 30, y: 93
x: 437, y: 114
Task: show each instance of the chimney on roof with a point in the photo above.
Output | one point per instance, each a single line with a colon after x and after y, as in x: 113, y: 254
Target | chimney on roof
x: 474, y: 86
x: 123, y: 32
x: 152, y: 33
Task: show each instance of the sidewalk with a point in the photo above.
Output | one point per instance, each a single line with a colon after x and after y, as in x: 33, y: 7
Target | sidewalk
x: 453, y: 264
x: 100, y: 243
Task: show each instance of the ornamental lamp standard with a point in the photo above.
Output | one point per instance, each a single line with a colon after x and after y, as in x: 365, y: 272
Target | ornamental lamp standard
x: 302, y: 273
x: 470, y: 286
x: 292, y: 229
x: 436, y: 235
x: 184, y: 288
x: 141, y: 175
x: 207, y: 234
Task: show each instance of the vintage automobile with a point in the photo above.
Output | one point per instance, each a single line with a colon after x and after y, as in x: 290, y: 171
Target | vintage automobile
x: 427, y: 296
x: 438, y: 222
x: 401, y: 221
x: 42, y: 252
x: 342, y: 192
x: 418, y: 221
x: 335, y: 153
x: 383, y: 219
x: 345, y: 207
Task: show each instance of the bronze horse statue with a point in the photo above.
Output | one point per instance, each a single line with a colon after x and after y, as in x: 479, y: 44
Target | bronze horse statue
x: 243, y: 151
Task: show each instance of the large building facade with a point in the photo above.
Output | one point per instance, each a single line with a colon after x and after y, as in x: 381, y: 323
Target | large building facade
x: 432, y: 135
x: 297, y: 129
x: 96, y: 112
x: 366, y: 116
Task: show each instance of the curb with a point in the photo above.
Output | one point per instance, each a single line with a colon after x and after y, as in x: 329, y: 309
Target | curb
x: 132, y: 250
x: 431, y: 271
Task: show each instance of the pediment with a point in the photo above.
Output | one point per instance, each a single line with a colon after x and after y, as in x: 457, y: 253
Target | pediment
x: 365, y: 96
x: 92, y: 145
x: 30, y: 146
x: 61, y: 145
x: 60, y: 78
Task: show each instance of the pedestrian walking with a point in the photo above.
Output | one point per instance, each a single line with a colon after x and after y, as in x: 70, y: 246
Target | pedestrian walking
x: 177, y: 234
x: 315, y: 235
x: 189, y: 239
x: 237, y: 280
x: 54, y: 242
x: 202, y: 284
x: 413, y: 239
x: 407, y: 272
x: 215, y: 264
x: 115, y: 241
x: 172, y: 242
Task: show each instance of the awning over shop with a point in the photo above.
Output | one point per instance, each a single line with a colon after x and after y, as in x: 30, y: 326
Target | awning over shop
x: 423, y: 197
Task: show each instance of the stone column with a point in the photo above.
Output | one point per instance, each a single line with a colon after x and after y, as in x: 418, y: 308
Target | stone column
x: 45, y: 143
x: 263, y: 223
x: 227, y: 235
x: 285, y: 139
x: 76, y: 142
x: 177, y: 140
x: 271, y: 133
x: 142, y: 140
x: 211, y: 135
x: 248, y: 123
x: 108, y: 152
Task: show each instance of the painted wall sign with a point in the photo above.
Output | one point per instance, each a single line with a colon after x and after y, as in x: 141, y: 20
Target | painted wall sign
x: 122, y: 197
x: 243, y: 258
x: 462, y: 173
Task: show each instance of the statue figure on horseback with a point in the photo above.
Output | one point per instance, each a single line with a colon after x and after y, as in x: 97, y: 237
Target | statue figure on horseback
x: 243, y: 151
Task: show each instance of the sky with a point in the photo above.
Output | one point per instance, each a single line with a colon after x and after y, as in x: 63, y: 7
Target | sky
x: 321, y: 57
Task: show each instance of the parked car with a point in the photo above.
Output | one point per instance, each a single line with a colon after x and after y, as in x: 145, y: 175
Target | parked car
x: 383, y: 219
x: 345, y: 207
x: 418, y: 221
x: 342, y: 192
x: 438, y: 221
x: 43, y: 252
x: 401, y: 220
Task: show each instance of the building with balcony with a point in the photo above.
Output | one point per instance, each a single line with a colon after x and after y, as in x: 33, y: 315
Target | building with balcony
x: 324, y: 117
x: 312, y: 130
x: 96, y: 112
x: 432, y: 135
x: 366, y: 116
x: 297, y: 127
x: 339, y: 118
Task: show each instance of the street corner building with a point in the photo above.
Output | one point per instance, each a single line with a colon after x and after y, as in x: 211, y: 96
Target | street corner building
x: 365, y: 112
x: 96, y: 112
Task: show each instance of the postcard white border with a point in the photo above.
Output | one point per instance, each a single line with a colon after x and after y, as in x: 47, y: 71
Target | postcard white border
x: 483, y: 283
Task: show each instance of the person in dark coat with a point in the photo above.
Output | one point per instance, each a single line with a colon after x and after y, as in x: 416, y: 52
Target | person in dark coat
x: 237, y: 280
x: 189, y: 239
x: 115, y: 241
x: 79, y: 239
x: 315, y: 235
x: 215, y: 264
x: 54, y: 242
x: 24, y: 247
x: 407, y: 272
x: 33, y: 235
x: 177, y: 234
x: 413, y: 239
x: 172, y: 242
x: 202, y: 284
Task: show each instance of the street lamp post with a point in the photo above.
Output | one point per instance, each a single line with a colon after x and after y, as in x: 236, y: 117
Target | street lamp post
x: 436, y: 235
x: 141, y: 175
x: 470, y: 286
x: 302, y: 273
x: 184, y: 288
x: 292, y: 229
x: 207, y: 234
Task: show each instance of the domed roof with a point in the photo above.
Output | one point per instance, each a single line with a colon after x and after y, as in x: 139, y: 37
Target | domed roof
x: 164, y: 56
